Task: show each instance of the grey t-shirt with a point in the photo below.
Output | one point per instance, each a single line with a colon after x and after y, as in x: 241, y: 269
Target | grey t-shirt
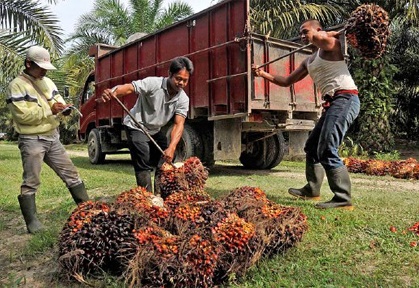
x: 154, y: 108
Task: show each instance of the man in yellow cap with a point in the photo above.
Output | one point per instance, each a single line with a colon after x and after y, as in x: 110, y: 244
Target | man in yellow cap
x: 35, y: 103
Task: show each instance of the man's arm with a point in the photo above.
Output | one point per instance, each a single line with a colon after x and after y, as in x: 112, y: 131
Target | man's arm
x: 327, y: 41
x: 297, y: 75
x: 117, y: 91
x: 175, y: 136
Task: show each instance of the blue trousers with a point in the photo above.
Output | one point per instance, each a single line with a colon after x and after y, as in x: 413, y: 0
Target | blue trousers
x: 323, y: 142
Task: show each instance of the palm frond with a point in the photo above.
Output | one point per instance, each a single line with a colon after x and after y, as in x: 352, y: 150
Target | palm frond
x: 29, y: 16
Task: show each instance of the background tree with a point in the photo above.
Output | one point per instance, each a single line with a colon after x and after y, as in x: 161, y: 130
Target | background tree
x: 23, y: 23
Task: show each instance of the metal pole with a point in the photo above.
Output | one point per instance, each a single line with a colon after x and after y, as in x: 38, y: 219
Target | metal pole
x: 285, y: 55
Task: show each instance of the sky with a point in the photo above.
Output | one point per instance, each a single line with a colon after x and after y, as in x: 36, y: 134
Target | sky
x: 69, y: 11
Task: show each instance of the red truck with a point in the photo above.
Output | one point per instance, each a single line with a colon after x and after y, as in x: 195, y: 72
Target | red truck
x: 232, y: 115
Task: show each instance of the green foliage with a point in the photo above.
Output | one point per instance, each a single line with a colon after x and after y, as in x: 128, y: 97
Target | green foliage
x: 281, y: 18
x: 405, y: 40
x: 351, y: 149
x: 374, y: 79
x: 389, y: 156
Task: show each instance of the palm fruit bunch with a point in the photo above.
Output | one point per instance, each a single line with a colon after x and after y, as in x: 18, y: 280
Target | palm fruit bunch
x: 277, y: 227
x: 175, y: 199
x: 243, y: 198
x: 236, y: 239
x: 156, y: 261
x: 97, y: 245
x: 280, y: 227
x: 181, y: 177
x: 198, y: 258
x: 197, y: 217
x: 195, y: 173
x: 140, y: 201
x: 171, y: 179
x: 83, y: 214
x: 367, y: 30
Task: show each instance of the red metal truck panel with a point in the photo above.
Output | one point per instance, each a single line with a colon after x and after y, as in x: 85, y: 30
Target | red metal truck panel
x: 218, y: 42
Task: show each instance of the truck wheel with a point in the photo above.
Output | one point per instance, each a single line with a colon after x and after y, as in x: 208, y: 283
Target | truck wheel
x: 96, y: 156
x: 277, y: 152
x: 253, y: 157
x: 208, y: 145
x: 188, y: 146
x: 264, y: 154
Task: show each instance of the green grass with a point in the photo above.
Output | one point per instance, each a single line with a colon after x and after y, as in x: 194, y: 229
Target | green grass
x: 340, y: 249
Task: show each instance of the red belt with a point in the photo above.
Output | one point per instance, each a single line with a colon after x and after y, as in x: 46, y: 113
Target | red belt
x: 328, y: 98
x: 355, y: 92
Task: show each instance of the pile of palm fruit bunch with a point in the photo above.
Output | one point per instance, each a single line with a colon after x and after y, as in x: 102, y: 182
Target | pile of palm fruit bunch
x: 367, y: 30
x: 403, y: 169
x: 188, y: 240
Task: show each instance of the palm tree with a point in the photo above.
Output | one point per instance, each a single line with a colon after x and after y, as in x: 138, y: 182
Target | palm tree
x: 280, y: 18
x: 23, y: 23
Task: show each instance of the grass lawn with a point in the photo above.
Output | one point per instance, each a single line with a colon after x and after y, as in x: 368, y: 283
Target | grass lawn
x: 341, y: 248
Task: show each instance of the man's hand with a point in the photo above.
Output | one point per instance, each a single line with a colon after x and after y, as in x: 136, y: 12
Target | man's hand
x: 108, y: 94
x: 57, y: 108
x: 256, y: 70
x: 169, y: 154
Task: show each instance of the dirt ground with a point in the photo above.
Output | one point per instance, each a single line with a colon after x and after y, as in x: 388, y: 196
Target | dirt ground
x: 41, y: 271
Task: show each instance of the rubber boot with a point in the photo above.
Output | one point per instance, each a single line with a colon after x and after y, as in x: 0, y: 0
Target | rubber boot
x: 144, y: 180
x: 311, y: 191
x: 28, y: 207
x: 340, y: 184
x: 79, y: 193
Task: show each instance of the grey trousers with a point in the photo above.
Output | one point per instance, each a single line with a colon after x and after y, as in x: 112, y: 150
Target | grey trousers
x: 53, y: 153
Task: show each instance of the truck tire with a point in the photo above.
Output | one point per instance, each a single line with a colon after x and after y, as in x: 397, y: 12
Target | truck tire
x: 189, y: 145
x: 264, y: 154
x: 94, y: 148
x: 208, y: 148
x: 278, y: 150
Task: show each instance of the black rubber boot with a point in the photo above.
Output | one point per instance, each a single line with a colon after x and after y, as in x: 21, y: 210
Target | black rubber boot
x: 311, y: 191
x: 79, y: 193
x: 28, y: 207
x: 144, y: 180
x: 340, y: 184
